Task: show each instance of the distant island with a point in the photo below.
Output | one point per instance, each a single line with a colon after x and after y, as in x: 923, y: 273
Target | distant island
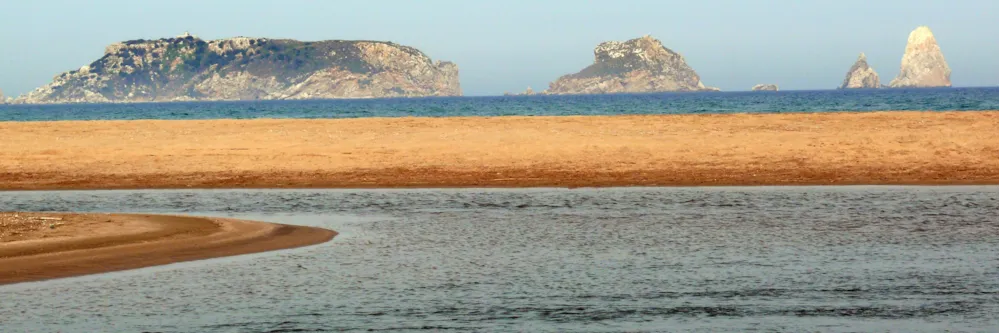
x: 861, y: 76
x: 764, y: 87
x: 922, y: 66
x: 187, y: 68
x: 645, y: 65
x: 636, y: 65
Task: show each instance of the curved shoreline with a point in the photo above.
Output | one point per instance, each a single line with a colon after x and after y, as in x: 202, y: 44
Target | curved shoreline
x: 100, y: 243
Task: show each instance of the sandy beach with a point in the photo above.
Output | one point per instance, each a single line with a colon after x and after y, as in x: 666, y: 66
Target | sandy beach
x: 666, y: 150
x: 39, y: 246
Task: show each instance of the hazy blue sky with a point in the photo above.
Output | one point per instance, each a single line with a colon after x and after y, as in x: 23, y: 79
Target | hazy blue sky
x: 509, y: 45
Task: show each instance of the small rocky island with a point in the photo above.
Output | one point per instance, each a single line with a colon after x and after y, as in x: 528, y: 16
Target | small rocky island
x: 527, y: 92
x: 634, y: 66
x: 923, y: 64
x: 765, y: 87
x: 861, y: 76
x: 187, y: 68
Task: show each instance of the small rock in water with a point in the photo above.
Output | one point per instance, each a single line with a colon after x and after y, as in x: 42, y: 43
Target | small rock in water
x: 765, y: 87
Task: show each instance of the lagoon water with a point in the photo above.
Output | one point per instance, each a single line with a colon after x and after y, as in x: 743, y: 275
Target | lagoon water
x: 847, y: 259
x: 933, y: 99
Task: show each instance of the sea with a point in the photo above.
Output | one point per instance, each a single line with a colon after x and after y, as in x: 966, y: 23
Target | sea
x: 635, y: 259
x: 927, y: 99
x: 696, y: 259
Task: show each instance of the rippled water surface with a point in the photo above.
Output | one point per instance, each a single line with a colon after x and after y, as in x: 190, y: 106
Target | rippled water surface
x: 630, y: 259
x: 652, y: 103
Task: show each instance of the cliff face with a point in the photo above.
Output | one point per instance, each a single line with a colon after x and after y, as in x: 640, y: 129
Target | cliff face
x: 861, y: 75
x: 637, y: 65
x: 923, y: 64
x: 187, y: 68
x: 764, y: 87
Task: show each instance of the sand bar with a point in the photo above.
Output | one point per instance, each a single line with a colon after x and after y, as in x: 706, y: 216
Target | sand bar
x: 39, y: 246
x: 666, y: 150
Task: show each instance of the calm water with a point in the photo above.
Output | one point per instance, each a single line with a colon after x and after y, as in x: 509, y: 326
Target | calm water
x: 659, y: 103
x: 631, y: 259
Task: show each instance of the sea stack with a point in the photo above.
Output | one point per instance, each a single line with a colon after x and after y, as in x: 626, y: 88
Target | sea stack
x: 861, y: 76
x: 637, y: 65
x: 765, y: 87
x: 187, y: 68
x: 923, y: 64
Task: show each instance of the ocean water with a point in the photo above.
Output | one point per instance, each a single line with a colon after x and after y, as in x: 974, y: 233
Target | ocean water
x: 709, y: 259
x: 657, y: 103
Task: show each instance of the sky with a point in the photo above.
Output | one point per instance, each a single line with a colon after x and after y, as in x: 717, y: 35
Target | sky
x: 509, y: 45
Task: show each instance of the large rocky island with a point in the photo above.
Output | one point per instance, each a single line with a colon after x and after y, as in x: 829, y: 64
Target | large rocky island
x: 923, y: 64
x: 861, y: 76
x: 637, y: 65
x: 187, y: 68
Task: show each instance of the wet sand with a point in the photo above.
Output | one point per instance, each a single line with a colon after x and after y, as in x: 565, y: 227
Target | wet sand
x: 39, y: 246
x: 574, y: 151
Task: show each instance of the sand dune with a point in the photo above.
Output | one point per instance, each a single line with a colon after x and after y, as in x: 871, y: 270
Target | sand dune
x: 735, y: 149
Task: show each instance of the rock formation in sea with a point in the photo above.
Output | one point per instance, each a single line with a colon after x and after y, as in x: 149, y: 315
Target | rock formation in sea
x: 861, y: 75
x: 765, y: 87
x: 923, y: 64
x: 187, y: 68
x: 637, y: 65
x: 527, y: 92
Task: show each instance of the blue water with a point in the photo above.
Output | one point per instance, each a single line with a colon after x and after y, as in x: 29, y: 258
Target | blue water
x: 656, y: 103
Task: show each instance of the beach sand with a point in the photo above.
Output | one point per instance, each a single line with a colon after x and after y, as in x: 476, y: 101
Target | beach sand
x: 39, y: 246
x: 572, y: 151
